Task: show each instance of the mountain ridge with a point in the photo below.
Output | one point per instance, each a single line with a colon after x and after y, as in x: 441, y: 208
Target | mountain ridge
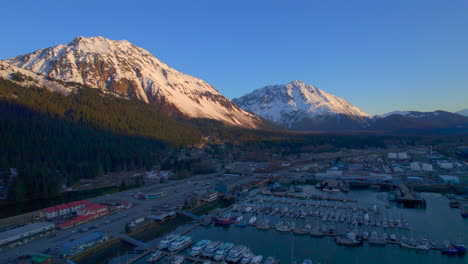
x: 295, y: 104
x: 130, y: 71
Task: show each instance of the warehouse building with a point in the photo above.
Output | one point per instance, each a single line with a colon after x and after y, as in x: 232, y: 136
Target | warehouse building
x: 73, y: 247
x: 24, y: 234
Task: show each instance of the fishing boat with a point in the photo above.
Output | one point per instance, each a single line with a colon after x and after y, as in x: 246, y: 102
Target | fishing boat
x: 246, y: 257
x: 283, y: 227
x: 460, y: 248
x: 211, y: 248
x: 236, y: 253
x: 448, y: 249
x: 350, y: 239
x: 197, y: 249
x: 375, y: 239
x: 177, y: 259
x: 222, y: 251
x: 316, y: 232
x: 412, y: 244
x: 307, y: 261
x: 180, y: 243
x: 263, y: 224
x: 300, y: 231
x: 270, y: 260
x: 257, y: 259
x: 167, y: 240
x: 157, y: 255
x: 222, y: 221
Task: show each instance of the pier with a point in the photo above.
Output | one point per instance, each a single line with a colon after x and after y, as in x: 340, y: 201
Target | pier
x: 313, y: 197
x: 406, y: 198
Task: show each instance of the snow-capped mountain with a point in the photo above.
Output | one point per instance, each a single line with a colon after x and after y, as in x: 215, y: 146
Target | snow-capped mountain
x: 301, y: 106
x: 125, y: 69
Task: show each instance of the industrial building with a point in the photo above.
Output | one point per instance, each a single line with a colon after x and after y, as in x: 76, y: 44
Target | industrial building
x: 24, y: 234
x: 210, y: 197
x: 73, y: 247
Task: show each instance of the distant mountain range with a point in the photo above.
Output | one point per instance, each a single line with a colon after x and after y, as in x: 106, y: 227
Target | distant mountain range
x: 125, y: 70
x: 463, y: 112
x: 299, y: 106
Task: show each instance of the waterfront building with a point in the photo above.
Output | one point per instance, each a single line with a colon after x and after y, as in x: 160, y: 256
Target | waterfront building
x: 23, y: 234
x: 73, y: 247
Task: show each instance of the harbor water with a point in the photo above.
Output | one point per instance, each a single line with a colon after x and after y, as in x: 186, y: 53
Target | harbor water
x: 435, y: 223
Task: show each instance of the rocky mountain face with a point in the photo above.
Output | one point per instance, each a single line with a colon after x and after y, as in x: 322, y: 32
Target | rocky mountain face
x: 122, y: 68
x: 303, y: 107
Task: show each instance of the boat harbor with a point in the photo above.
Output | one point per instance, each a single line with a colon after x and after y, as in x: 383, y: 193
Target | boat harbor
x: 300, y: 225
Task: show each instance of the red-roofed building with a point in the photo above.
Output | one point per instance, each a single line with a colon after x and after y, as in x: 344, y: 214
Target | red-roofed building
x: 63, y: 209
x: 77, y: 205
x: 92, y: 209
x: 51, y: 212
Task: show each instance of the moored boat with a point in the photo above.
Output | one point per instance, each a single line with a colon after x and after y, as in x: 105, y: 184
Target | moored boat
x: 412, y: 244
x: 257, y: 259
x: 197, y: 249
x: 222, y: 251
x: 211, y: 248
x: 180, y: 243
x: 167, y: 240
x: 236, y: 253
x: 157, y: 255
x: 350, y: 239
x: 270, y: 260
x: 177, y: 259
x: 246, y: 257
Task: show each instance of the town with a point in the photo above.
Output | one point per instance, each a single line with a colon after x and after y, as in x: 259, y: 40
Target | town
x: 316, y: 187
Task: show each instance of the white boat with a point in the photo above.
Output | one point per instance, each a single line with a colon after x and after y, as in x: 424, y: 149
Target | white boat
x: 167, y: 240
x: 177, y: 259
x: 252, y: 220
x: 283, y: 227
x: 247, y: 257
x: 257, y: 259
x: 236, y: 253
x: 211, y: 248
x: 155, y: 257
x: 412, y: 244
x: 350, y: 239
x: 222, y: 251
x: 180, y: 243
x: 197, y: 249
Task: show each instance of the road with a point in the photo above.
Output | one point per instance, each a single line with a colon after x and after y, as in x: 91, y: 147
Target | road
x: 177, y: 191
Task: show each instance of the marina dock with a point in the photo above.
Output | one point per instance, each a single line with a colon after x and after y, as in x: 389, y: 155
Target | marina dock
x: 406, y: 198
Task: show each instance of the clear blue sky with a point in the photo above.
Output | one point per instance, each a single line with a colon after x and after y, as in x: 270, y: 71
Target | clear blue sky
x: 381, y: 55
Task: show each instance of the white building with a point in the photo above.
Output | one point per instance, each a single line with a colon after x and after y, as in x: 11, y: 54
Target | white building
x: 210, y: 197
x: 392, y: 155
x: 402, y: 155
x: 426, y: 167
x: 446, y: 165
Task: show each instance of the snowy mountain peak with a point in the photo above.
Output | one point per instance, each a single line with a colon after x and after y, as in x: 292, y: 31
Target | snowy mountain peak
x: 293, y: 103
x: 120, y: 67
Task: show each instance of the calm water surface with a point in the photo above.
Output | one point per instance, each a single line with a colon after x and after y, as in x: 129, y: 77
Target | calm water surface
x: 437, y: 222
